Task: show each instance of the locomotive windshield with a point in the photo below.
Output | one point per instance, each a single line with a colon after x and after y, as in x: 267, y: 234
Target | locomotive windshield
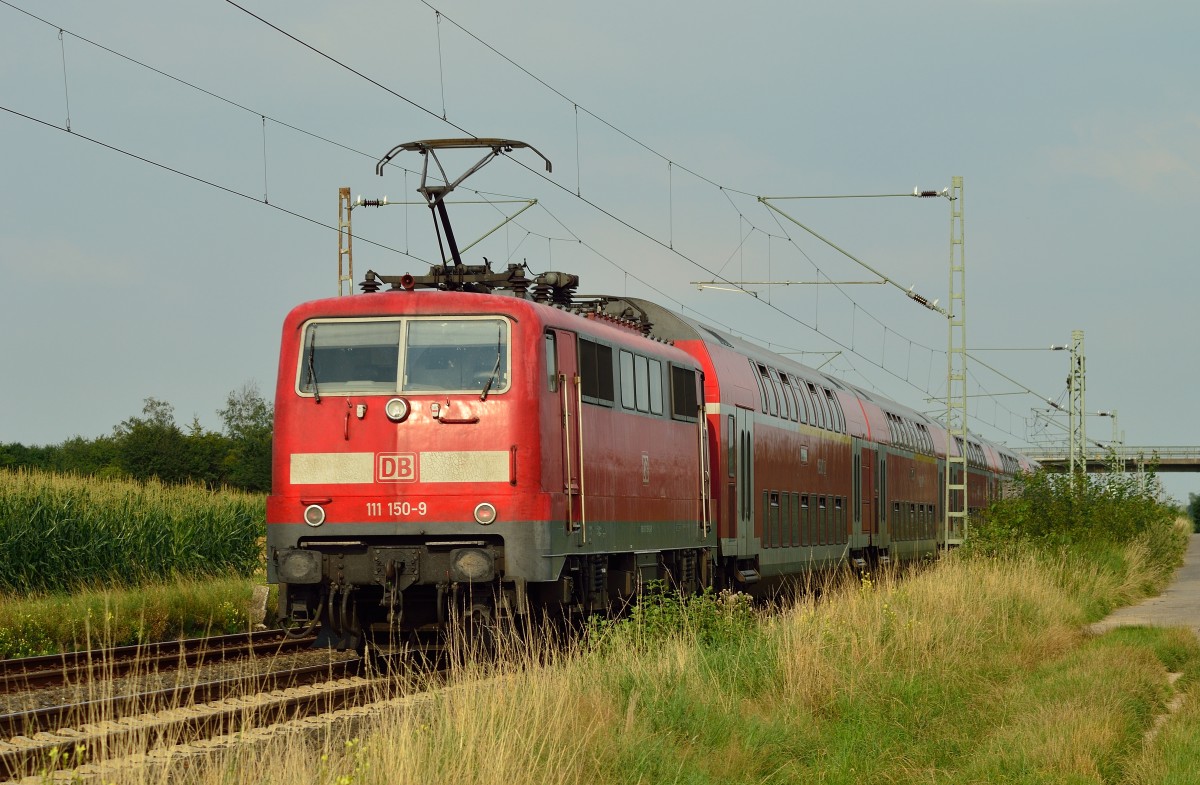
x: 412, y: 355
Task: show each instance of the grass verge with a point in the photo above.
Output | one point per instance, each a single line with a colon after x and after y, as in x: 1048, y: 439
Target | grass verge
x: 972, y: 671
x: 53, y: 623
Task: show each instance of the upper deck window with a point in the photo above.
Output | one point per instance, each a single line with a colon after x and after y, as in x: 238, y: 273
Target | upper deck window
x: 406, y: 355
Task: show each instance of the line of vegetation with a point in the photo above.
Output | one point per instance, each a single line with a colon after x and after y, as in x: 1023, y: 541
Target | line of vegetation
x: 66, y: 533
x: 153, y: 446
x: 102, y: 618
x: 978, y: 669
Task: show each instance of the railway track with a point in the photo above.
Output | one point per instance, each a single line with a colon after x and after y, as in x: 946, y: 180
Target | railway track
x: 82, y: 666
x: 123, y: 722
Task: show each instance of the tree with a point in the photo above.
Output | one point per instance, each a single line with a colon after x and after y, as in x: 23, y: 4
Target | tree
x: 1194, y: 511
x: 249, y: 421
x: 152, y: 445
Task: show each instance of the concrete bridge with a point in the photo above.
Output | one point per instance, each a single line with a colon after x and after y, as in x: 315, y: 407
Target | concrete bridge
x: 1169, y: 459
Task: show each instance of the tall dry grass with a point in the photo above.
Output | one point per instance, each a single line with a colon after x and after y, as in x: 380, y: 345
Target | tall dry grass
x: 973, y: 670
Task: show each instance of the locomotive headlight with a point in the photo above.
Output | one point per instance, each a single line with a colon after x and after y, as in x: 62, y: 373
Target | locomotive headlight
x: 314, y: 515
x: 297, y: 566
x: 396, y: 409
x: 485, y: 513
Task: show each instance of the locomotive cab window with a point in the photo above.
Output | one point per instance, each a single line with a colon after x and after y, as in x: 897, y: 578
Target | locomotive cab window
x: 384, y: 356
x: 349, y: 357
x: 456, y: 355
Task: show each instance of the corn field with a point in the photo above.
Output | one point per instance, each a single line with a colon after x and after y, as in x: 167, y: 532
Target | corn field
x: 61, y: 532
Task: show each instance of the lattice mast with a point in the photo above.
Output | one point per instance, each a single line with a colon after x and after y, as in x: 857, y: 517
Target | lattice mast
x: 1077, y: 386
x: 955, y: 498
x: 345, y: 244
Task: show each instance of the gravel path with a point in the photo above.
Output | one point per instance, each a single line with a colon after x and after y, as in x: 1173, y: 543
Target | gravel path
x: 1177, y: 606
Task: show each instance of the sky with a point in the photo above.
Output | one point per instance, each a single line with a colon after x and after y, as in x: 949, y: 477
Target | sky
x: 170, y: 178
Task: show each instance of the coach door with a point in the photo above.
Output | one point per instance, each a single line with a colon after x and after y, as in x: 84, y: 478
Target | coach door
x: 743, y: 497
x: 870, y: 496
x: 566, y: 386
x: 866, y: 503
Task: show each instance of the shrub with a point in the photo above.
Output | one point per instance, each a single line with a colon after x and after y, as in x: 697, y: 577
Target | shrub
x: 1057, y: 511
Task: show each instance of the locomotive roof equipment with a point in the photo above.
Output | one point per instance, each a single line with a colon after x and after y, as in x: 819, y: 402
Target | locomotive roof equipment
x: 435, y: 195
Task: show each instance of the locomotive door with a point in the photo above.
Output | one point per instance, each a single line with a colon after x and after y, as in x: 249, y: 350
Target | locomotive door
x: 742, y: 453
x: 566, y: 385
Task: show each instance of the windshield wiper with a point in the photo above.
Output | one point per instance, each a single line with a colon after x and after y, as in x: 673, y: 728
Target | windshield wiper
x: 495, y: 369
x: 312, y: 370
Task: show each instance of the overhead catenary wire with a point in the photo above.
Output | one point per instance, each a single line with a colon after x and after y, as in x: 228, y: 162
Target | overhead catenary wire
x: 669, y: 245
x: 198, y: 179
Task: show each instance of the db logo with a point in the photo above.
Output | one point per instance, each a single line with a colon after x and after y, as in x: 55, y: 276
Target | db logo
x: 396, y: 467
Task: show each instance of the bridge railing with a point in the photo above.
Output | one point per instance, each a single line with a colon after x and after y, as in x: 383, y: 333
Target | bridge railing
x: 1163, y: 453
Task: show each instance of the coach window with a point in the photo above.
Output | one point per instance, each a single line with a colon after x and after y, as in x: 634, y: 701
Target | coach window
x: 819, y: 405
x: 809, y: 416
x: 552, y: 361
x: 788, y: 394
x: 766, y: 519
x: 805, y: 522
x: 776, y: 528
x: 786, y: 407
x: 835, y: 411
x: 595, y: 372
x: 685, y: 402
x: 762, y: 389
x: 837, y: 404
x: 730, y: 454
x: 626, y: 360
x: 823, y: 523
x: 769, y: 404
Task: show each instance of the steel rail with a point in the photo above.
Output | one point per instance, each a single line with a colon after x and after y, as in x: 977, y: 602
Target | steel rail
x: 212, y: 708
x: 51, y: 669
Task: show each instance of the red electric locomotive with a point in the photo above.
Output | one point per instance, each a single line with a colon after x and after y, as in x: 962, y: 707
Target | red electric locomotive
x: 449, y: 455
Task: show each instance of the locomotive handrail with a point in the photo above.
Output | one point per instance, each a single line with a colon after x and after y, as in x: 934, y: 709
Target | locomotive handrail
x: 569, y: 484
x: 705, y: 474
x: 458, y: 420
x: 582, y: 489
